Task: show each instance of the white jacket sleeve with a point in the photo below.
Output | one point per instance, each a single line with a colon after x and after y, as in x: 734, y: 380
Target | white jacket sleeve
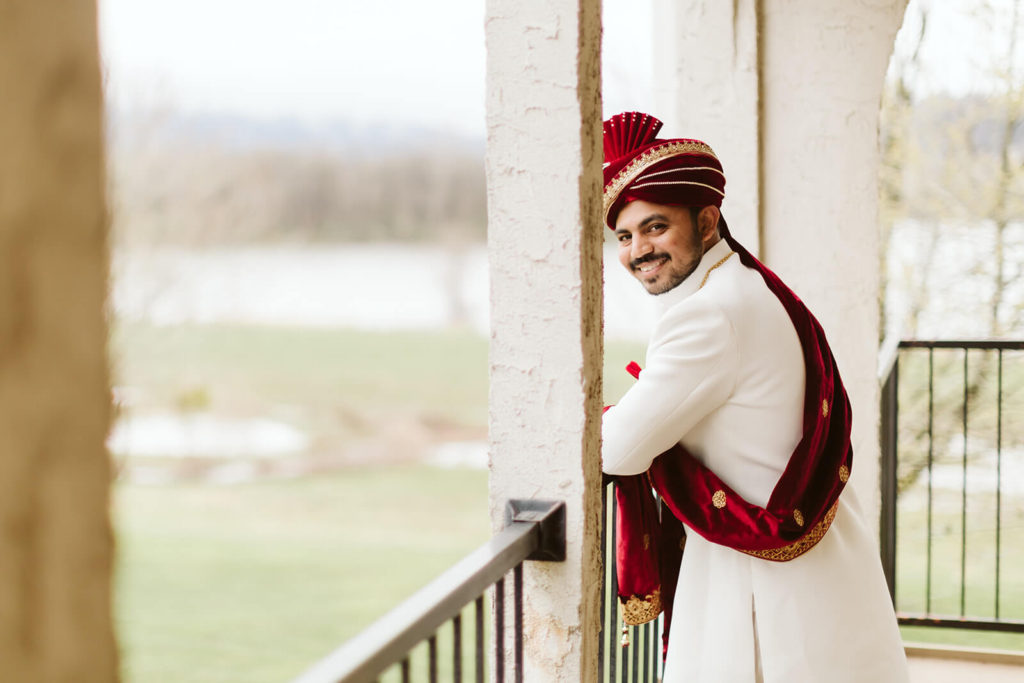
x: 692, y: 363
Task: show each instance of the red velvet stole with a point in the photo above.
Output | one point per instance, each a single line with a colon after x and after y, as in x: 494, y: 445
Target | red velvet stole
x: 798, y: 511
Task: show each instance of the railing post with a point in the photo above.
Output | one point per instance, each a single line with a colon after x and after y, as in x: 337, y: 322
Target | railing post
x: 544, y: 245
x: 550, y: 515
x: 888, y: 440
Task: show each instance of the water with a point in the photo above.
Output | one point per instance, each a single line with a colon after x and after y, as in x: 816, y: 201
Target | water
x: 372, y: 287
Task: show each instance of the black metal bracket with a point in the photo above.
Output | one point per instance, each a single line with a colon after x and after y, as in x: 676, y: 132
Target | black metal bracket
x: 550, y: 515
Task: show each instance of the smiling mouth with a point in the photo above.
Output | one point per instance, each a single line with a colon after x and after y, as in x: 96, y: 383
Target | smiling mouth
x: 650, y: 266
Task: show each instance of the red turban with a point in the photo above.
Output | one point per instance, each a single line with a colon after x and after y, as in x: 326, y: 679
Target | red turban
x: 638, y: 165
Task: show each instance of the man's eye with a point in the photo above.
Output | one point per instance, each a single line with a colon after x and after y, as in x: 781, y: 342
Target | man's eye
x: 623, y: 238
x: 657, y: 227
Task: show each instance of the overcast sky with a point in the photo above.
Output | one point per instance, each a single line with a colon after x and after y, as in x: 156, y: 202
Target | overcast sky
x: 400, y: 61
x: 395, y: 60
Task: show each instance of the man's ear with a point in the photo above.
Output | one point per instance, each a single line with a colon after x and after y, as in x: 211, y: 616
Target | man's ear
x: 707, y: 221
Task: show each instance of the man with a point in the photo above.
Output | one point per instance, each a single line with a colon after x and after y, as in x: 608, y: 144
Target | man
x: 741, y: 423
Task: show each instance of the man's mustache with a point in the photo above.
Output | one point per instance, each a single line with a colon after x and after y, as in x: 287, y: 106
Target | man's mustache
x: 636, y: 263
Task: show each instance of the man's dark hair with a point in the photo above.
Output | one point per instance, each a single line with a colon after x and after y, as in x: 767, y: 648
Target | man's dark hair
x: 694, y: 212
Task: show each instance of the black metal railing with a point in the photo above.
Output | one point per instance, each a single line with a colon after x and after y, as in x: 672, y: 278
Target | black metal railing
x: 952, y: 490
x: 626, y: 654
x: 534, y: 530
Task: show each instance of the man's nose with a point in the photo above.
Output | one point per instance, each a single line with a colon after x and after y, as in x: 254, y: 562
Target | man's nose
x: 640, y: 247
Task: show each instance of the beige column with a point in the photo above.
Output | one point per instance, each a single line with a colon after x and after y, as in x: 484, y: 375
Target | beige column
x: 544, y: 240
x: 55, y: 536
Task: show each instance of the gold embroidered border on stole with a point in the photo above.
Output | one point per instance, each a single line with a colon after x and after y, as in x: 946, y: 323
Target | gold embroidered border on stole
x: 637, y: 610
x: 798, y: 548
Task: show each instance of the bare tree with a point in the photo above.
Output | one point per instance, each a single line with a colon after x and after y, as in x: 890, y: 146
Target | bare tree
x: 172, y: 186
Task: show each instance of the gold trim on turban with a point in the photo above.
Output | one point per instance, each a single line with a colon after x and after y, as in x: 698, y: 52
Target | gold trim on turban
x: 645, y: 176
x: 652, y: 156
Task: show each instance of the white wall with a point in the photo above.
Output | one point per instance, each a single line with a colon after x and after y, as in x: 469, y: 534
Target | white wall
x: 706, y: 69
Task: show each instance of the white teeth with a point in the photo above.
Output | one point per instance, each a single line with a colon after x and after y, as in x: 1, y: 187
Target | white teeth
x: 648, y: 267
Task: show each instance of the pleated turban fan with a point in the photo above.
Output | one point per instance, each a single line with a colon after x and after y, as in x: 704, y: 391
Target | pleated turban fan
x: 638, y: 165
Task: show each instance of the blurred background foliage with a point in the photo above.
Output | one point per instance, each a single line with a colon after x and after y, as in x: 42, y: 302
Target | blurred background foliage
x: 951, y: 182
x: 200, y: 179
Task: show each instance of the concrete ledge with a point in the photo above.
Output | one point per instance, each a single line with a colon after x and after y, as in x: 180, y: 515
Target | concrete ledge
x: 970, y: 654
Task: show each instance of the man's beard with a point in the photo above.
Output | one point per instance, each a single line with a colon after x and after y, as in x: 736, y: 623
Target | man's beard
x: 679, y: 271
x: 672, y: 279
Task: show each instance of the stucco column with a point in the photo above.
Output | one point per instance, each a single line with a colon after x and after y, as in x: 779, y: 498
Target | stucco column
x: 544, y: 241
x: 823, y: 68
x: 55, y: 536
x: 706, y: 67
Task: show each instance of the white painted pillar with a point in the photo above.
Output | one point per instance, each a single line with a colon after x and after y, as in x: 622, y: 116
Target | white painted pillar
x: 706, y: 71
x: 787, y: 92
x: 824, y: 63
x: 544, y: 240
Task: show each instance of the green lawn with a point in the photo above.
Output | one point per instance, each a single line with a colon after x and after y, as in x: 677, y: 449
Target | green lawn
x: 336, y: 383
x: 255, y: 582
x: 977, y: 573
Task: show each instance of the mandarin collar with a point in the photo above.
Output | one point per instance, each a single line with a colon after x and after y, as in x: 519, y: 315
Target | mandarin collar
x: 691, y: 284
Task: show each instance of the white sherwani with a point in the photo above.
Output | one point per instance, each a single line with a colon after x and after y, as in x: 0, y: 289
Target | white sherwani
x: 724, y: 377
